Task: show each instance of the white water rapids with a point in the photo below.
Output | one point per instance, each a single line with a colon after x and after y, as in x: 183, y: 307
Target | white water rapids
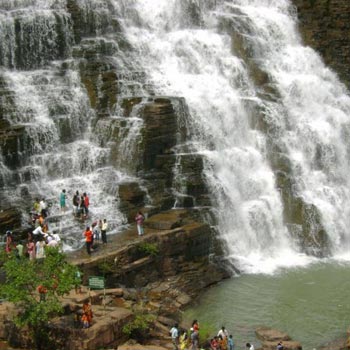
x: 187, y: 48
x: 196, y: 60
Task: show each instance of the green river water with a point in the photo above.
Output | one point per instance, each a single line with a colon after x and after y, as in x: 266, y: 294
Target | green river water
x: 311, y: 304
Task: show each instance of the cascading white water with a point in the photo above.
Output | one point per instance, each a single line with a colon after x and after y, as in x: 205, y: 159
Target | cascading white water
x: 315, y: 129
x: 194, y: 59
x: 181, y: 48
x: 60, y: 150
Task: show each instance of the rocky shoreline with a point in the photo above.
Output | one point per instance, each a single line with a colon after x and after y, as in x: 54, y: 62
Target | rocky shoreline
x: 159, y: 274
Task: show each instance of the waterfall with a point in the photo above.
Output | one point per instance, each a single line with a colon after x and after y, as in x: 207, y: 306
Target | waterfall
x: 45, y: 105
x: 266, y: 120
x: 188, y: 49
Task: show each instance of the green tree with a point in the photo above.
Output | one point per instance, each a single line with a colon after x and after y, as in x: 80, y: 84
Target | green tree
x: 24, y: 278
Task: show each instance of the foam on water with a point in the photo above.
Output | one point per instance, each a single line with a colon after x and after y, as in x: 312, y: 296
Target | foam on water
x: 194, y: 59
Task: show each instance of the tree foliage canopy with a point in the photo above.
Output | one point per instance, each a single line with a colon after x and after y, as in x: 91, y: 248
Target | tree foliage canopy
x: 23, y: 279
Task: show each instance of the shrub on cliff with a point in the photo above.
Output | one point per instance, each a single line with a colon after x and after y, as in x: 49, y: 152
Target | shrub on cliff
x: 35, y: 288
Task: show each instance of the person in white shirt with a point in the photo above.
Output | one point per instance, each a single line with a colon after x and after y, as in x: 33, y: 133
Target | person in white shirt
x: 104, y: 231
x: 40, y: 249
x: 223, y: 333
x: 43, y: 208
x: 175, y: 336
x: 38, y: 231
x: 249, y: 346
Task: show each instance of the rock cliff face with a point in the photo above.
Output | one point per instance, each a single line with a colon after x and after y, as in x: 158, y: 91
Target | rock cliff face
x: 325, y: 26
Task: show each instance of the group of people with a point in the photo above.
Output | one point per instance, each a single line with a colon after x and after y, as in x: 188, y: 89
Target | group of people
x: 92, y: 234
x: 38, y: 237
x: 80, y: 203
x: 183, y: 340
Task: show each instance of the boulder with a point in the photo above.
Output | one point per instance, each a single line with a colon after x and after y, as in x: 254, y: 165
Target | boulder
x: 270, y: 334
x: 136, y: 346
x: 287, y: 345
x: 10, y: 219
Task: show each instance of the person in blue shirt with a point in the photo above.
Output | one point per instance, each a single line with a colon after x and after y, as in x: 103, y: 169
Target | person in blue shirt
x: 63, y: 198
x: 231, y: 344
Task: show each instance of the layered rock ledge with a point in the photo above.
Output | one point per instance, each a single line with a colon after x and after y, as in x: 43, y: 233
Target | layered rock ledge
x: 157, y: 274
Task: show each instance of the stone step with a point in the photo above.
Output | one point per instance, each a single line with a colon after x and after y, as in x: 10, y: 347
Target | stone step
x: 137, y: 264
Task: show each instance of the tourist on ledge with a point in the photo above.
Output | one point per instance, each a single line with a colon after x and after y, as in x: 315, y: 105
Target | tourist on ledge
x: 88, y: 239
x: 140, y: 218
x: 104, y: 231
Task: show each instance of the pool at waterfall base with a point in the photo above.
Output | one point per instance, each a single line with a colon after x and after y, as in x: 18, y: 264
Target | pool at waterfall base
x: 311, y: 304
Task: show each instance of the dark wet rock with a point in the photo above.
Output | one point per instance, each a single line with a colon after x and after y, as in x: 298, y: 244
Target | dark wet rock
x: 10, y: 219
x: 270, y: 337
x: 324, y: 26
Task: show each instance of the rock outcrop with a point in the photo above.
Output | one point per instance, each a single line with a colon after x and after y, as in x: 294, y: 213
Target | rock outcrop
x: 270, y: 337
x: 158, y: 274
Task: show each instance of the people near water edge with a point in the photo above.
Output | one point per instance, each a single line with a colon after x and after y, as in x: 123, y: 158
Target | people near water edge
x: 249, y: 346
x: 194, y: 337
x: 279, y: 346
x: 140, y: 218
x: 174, y: 332
x: 183, y: 340
x: 223, y: 332
x: 231, y: 343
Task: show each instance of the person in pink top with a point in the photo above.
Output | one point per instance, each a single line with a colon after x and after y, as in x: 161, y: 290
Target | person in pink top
x: 140, y: 218
x: 31, y: 249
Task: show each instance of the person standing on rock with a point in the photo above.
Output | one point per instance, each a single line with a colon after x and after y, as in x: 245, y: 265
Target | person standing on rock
x: 87, y: 310
x: 82, y: 207
x: 174, y: 331
x: 104, y: 231
x: 223, y: 332
x: 249, y: 346
x: 279, y: 346
x: 183, y: 340
x: 231, y: 343
x: 140, y: 218
x: 63, y: 198
x: 88, y: 239
x: 43, y: 208
x: 194, y: 339
x: 86, y: 204
x: 76, y: 202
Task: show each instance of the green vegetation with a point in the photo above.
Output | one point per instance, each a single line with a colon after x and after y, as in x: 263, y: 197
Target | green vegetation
x: 53, y: 276
x: 207, y: 331
x: 148, y: 248
x: 106, y: 267
x: 139, y: 326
